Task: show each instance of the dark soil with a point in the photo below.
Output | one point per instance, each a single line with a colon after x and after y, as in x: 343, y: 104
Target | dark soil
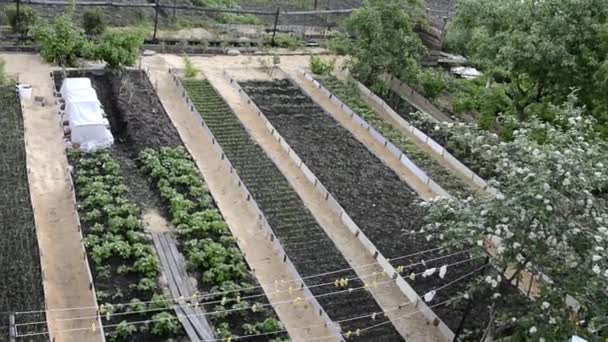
x: 306, y: 244
x: 139, y: 121
x: 20, y: 275
x: 383, y: 206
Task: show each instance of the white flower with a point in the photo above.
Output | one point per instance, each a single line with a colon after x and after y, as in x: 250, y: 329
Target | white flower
x: 545, y: 305
x: 450, y: 125
x: 549, y: 208
x: 541, y: 340
x: 496, y: 295
x: 480, y: 243
x: 552, y: 320
x: 603, y: 230
x: 516, y: 245
x: 596, y: 258
x: 546, y: 187
x: 494, y: 283
x: 465, y: 296
x: 533, y: 330
x: 500, y: 196
x: 436, y: 127
x: 596, y: 269
x: 538, y: 197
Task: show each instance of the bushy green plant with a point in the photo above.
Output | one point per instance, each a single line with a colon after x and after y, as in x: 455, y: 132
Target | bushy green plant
x: 319, y: 67
x: 165, y: 324
x: 341, y: 44
x: 26, y: 20
x: 123, y: 331
x: 62, y: 42
x: 5, y: 79
x: 190, y: 70
x: 94, y: 22
x: 432, y: 83
x: 118, y: 49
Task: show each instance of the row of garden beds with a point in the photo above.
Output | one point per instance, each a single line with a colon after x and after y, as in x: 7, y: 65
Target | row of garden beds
x: 20, y: 273
x: 385, y: 209
x: 161, y: 177
x: 308, y: 247
x: 349, y: 94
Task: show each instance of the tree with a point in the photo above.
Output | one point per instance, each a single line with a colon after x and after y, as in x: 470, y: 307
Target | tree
x: 26, y: 20
x: 542, y: 48
x: 550, y: 218
x: 385, y: 39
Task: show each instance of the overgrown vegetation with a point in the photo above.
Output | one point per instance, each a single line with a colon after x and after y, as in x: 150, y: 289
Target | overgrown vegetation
x: 319, y: 67
x: 117, y: 49
x: 5, y: 79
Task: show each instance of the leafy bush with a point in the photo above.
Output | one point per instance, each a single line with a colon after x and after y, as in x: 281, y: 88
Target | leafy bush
x: 93, y: 22
x: 165, y: 324
x: 5, y: 79
x: 340, y: 44
x: 318, y: 67
x: 62, y: 42
x: 432, y: 83
x: 288, y: 41
x: 244, y: 19
x: 118, y: 49
x: 27, y: 19
x: 189, y: 68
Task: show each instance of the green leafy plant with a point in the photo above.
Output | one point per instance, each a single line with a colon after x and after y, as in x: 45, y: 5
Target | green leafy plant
x: 165, y: 324
x: 319, y: 67
x: 25, y: 22
x: 123, y: 331
x: 118, y: 49
x: 93, y: 22
x: 190, y: 70
x: 62, y: 42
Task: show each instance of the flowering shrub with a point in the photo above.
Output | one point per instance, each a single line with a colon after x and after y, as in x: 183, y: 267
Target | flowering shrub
x: 550, y: 218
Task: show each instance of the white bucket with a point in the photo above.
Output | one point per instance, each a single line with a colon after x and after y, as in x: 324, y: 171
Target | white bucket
x: 25, y: 91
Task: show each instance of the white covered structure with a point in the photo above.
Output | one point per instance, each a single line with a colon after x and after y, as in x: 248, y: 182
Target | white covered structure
x: 85, y: 116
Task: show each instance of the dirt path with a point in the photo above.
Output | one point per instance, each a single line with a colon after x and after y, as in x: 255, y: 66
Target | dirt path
x: 66, y: 282
x: 361, y: 134
x: 414, y: 327
x: 258, y: 250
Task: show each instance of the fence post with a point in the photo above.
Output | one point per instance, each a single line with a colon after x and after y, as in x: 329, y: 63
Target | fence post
x: 276, y: 22
x: 12, y: 331
x: 156, y: 8
x: 18, y: 16
x: 316, y: 3
x: 468, y: 307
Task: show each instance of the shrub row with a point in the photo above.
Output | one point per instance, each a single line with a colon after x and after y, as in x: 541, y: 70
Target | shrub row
x: 209, y: 246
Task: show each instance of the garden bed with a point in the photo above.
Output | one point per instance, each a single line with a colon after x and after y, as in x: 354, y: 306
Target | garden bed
x: 349, y: 94
x: 145, y: 136
x: 308, y: 247
x: 21, y: 279
x: 383, y: 207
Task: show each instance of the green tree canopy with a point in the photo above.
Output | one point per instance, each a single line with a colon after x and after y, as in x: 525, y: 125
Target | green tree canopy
x: 385, y: 39
x: 543, y: 48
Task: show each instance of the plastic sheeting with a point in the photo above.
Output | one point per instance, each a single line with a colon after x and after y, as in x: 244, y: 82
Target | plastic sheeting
x: 85, y: 115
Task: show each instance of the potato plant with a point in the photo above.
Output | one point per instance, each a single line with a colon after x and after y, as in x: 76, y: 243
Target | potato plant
x: 208, y: 244
x: 125, y: 265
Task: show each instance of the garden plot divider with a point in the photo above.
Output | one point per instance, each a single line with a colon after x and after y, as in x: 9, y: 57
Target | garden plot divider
x: 332, y: 203
x: 394, y: 150
x: 84, y: 251
x: 420, y: 136
x: 262, y: 222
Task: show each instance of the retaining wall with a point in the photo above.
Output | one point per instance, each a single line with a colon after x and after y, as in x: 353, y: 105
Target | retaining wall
x: 262, y: 222
x: 407, y: 290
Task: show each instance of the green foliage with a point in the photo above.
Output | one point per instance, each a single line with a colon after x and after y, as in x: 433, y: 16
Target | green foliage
x: 165, y: 324
x: 93, y: 22
x: 5, y: 79
x: 123, y: 331
x: 432, y: 83
x: 118, y: 49
x: 288, y: 41
x: 190, y: 70
x: 319, y: 67
x: 385, y: 39
x: 62, y: 42
x: 243, y: 19
x: 27, y: 19
x: 544, y: 48
x: 341, y: 44
x: 267, y: 326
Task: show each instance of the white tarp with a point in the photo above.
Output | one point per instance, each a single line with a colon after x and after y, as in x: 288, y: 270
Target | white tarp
x: 85, y: 115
